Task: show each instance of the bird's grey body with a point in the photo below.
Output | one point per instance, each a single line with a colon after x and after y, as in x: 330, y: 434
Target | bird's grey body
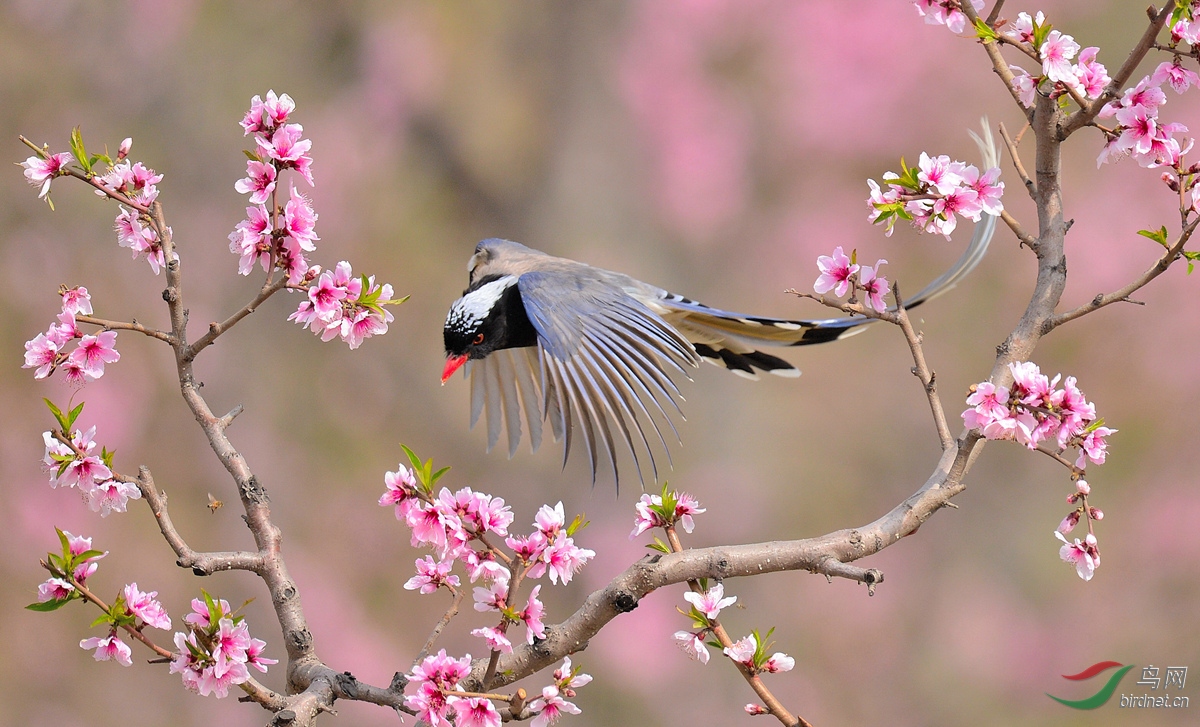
x: 590, y: 350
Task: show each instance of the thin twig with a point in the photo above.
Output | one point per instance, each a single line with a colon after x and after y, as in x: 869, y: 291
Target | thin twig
x: 126, y: 326
x: 216, y: 329
x: 1026, y: 239
x: 922, y: 372
x: 1158, y: 268
x: 441, y: 625
x: 999, y: 64
x: 1016, y: 157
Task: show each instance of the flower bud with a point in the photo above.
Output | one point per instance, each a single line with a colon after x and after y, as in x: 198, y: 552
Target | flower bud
x: 1072, y: 498
x: 1083, y: 487
x: 1069, y: 522
x: 756, y: 709
x: 1095, y: 513
x: 1170, y: 180
x: 123, y: 150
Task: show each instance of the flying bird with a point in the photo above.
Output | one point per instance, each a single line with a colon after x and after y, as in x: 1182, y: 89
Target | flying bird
x: 592, y: 350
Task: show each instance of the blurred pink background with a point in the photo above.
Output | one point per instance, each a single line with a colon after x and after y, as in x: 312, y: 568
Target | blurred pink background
x: 714, y: 147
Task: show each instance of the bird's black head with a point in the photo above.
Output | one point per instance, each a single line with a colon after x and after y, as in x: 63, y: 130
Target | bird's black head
x: 488, y: 317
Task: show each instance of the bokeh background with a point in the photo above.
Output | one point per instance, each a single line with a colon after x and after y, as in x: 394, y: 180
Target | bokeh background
x: 714, y: 147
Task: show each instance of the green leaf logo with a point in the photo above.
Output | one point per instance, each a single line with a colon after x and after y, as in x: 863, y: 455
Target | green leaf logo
x: 1101, y: 697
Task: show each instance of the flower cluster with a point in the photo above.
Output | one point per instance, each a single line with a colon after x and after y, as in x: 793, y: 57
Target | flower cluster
x: 438, y: 676
x: 134, y: 610
x: 213, y: 655
x: 69, y: 570
x: 77, y: 465
x: 280, y: 235
x: 705, y: 607
x: 340, y: 304
x: 453, y: 522
x: 664, y: 510
x: 751, y: 652
x: 271, y: 236
x: 946, y: 12
x: 840, y: 274
x: 46, y: 352
x: 933, y: 194
x: 134, y: 228
x: 1139, y: 132
x: 1034, y: 410
x: 1086, y: 77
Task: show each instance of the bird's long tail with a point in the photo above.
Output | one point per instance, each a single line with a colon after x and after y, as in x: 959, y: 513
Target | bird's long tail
x: 730, y: 339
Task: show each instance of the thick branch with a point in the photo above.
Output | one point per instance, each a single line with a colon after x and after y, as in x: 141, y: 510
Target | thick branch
x: 827, y: 554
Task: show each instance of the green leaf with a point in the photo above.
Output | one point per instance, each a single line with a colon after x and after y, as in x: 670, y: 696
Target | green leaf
x: 72, y: 416
x: 103, y: 618
x: 100, y: 158
x: 1040, y: 32
x: 577, y: 524
x: 437, y: 475
x: 985, y: 32
x: 659, y: 545
x: 1159, y: 235
x: 47, y: 606
x: 413, y: 459
x: 396, y: 301
x: 66, y: 544
x: 62, y: 419
x: 78, y: 150
x: 251, y: 155
x: 106, y: 457
x: 87, y: 555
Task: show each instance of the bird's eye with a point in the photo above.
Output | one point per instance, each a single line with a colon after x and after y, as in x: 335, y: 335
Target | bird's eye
x: 478, y: 339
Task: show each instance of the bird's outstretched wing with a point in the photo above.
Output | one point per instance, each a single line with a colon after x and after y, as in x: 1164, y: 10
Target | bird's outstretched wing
x: 597, y: 372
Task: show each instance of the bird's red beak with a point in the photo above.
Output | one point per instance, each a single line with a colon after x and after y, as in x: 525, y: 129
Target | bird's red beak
x: 453, y: 363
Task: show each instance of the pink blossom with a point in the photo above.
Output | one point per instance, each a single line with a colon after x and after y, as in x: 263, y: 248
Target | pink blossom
x: 145, y: 607
x: 528, y: 548
x: 563, y: 558
x: 1025, y: 85
x: 109, y: 648
x: 1057, y: 51
x: 743, y: 651
x: 835, y: 273
x: 875, y: 286
x: 285, y: 143
x: 492, y: 515
x: 987, y: 187
x: 1139, y: 126
x: 201, y: 617
x: 495, y: 639
x: 251, y: 239
x: 54, y: 589
x: 1188, y: 32
x: 1091, y: 76
x: 1084, y: 556
x: 299, y: 220
x: 492, y: 598
x: 111, y: 496
x: 532, y: 616
x: 1094, y: 447
x: 265, y: 115
x: 255, y: 658
x: 878, y: 198
x: 475, y: 712
x: 95, y: 351
x: 78, y: 546
x: 550, y: 707
x: 76, y: 300
x: 989, y: 399
x: 692, y: 645
x: 945, y: 12
x: 431, y: 575
x: 84, y: 472
x: 647, y: 516
x: 1024, y: 26
x: 940, y: 172
x: 483, y: 564
x: 123, y: 149
x: 778, y: 662
x: 549, y: 520
x: 433, y: 525
x: 710, y: 602
x: 568, y: 679
x: 433, y: 674
x: 259, y: 181
x: 41, y: 353
x: 686, y: 506
x: 401, y: 491
x: 40, y: 172
x: 230, y: 645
